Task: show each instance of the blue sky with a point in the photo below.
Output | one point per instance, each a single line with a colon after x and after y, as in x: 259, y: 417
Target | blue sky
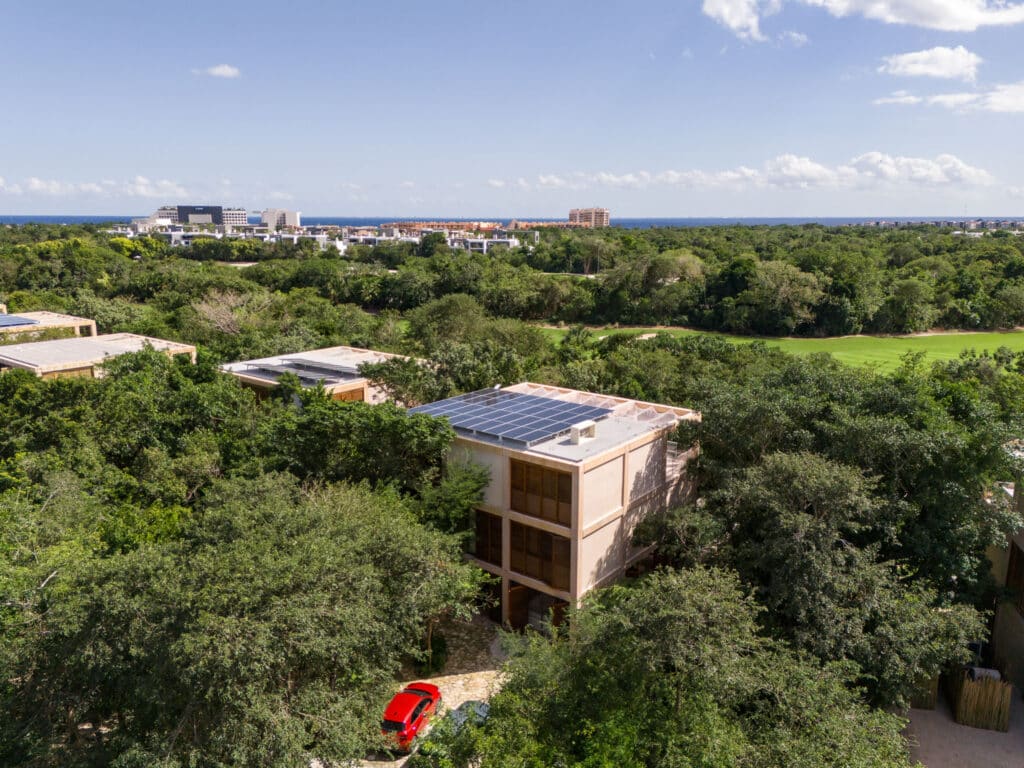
x: 687, y: 108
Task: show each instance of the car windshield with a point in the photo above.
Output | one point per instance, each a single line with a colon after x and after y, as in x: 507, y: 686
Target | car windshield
x: 391, y: 725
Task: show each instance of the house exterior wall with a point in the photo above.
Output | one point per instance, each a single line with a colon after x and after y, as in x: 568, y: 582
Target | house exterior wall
x: 1008, y: 623
x: 1008, y: 643
x: 601, y: 556
x: 602, y: 490
x: 611, y: 493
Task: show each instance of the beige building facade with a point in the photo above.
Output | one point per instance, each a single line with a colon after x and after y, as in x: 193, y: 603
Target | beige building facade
x: 590, y: 217
x: 558, y: 515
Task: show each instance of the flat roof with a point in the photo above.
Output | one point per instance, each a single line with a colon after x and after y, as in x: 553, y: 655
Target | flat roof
x: 330, y: 365
x: 622, y: 420
x: 81, y: 351
x: 37, y: 321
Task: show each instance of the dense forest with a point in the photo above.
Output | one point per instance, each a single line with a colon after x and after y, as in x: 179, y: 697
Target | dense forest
x: 190, y: 576
x: 787, y: 280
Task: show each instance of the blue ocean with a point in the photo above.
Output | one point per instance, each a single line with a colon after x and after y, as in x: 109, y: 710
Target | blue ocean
x: 627, y: 223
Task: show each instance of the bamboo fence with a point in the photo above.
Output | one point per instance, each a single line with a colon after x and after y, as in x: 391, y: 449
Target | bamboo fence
x: 983, y: 703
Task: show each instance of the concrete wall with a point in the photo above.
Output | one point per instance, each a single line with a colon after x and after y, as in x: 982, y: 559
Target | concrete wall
x: 600, y: 555
x: 602, y: 491
x: 496, y: 494
x: 646, y: 469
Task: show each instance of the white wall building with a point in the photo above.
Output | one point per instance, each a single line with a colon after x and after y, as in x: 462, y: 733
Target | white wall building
x: 279, y: 217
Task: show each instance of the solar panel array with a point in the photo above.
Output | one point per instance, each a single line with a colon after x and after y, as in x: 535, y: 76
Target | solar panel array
x: 511, y: 416
x: 10, y: 321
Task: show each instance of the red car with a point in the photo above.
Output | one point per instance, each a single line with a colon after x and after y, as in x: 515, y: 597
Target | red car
x: 409, y: 712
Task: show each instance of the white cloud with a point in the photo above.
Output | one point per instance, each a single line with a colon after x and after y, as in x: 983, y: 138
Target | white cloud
x: 948, y: 15
x: 787, y: 171
x: 801, y: 172
x: 951, y: 63
x: 953, y: 100
x: 407, y: 184
x: 9, y: 189
x: 49, y: 186
x: 495, y: 183
x: 796, y: 39
x: 1007, y: 98
x: 944, y: 169
x: 898, y: 97
x: 140, y: 186
x: 743, y: 17
x: 219, y: 70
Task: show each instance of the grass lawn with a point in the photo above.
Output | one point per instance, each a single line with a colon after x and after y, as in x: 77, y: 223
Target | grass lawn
x: 881, y: 352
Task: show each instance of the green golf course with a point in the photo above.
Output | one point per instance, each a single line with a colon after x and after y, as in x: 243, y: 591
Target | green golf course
x: 881, y: 352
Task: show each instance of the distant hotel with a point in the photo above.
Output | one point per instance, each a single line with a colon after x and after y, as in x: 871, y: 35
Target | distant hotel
x: 203, y: 214
x: 278, y: 218
x: 589, y: 217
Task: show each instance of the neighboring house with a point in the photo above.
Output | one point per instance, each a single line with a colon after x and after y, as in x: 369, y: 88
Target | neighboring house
x: 572, y: 473
x: 38, y: 322
x: 1008, y: 621
x: 80, y: 356
x: 337, y: 368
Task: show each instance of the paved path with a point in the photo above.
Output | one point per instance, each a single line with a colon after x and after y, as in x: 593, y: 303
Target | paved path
x: 944, y: 743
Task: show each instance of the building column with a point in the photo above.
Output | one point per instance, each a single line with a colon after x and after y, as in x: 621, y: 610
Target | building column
x: 506, y: 566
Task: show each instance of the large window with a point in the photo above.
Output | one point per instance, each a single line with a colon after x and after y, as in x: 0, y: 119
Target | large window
x: 488, y: 538
x: 541, y: 492
x: 541, y: 555
x: 1015, y: 575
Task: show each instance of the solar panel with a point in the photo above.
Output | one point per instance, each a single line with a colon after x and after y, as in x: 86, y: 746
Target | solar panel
x: 511, y: 416
x: 10, y: 321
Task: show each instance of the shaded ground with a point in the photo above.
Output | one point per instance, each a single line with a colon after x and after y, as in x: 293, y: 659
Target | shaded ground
x: 943, y: 743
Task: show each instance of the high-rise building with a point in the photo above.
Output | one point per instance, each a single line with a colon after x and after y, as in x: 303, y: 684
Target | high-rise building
x: 590, y: 217
x: 203, y: 214
x: 278, y: 217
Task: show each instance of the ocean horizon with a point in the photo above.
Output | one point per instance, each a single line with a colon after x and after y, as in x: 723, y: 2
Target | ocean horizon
x: 624, y: 222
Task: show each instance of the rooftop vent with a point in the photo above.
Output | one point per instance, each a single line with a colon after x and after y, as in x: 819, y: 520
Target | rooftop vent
x: 584, y: 430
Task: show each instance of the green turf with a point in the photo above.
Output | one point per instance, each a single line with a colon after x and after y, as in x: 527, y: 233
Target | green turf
x: 881, y: 352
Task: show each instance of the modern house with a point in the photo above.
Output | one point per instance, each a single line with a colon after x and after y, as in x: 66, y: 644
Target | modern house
x: 337, y: 368
x: 80, y: 356
x: 40, y: 322
x: 572, y: 473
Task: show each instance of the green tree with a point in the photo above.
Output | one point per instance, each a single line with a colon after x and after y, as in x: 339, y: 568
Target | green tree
x: 672, y: 672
